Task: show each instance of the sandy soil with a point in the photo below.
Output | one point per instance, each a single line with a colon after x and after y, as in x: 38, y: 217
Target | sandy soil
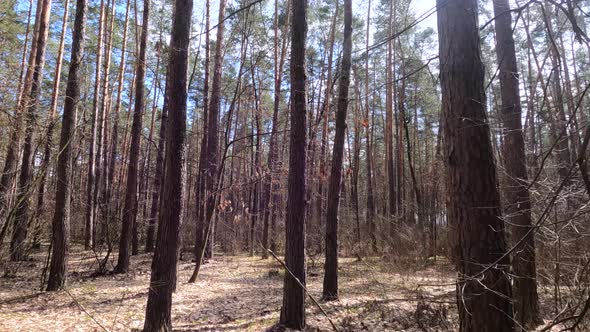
x: 233, y: 293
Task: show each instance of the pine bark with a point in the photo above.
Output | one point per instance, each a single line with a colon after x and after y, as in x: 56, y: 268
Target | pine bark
x: 91, y: 184
x: 130, y: 206
x: 483, y: 291
x: 518, y: 209
x: 25, y: 188
x: 293, y: 309
x: 211, y: 162
x: 163, y: 278
x: 61, y: 218
x: 330, y: 290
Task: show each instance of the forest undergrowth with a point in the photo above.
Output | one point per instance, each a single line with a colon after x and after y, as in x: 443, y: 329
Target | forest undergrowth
x: 232, y: 293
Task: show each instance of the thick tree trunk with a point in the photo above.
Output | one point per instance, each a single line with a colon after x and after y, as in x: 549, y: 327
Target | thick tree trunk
x: 130, y: 206
x: 517, y: 195
x: 330, y: 290
x: 163, y: 278
x: 61, y: 219
x: 483, y: 290
x: 293, y: 309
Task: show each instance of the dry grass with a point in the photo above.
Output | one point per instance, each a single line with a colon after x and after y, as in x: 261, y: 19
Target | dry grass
x: 234, y: 293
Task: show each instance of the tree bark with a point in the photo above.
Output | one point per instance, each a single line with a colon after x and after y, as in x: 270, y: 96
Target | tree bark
x: 518, y: 209
x: 293, y: 309
x: 163, y: 278
x: 483, y: 290
x: 91, y: 185
x: 61, y: 218
x: 130, y: 206
x: 25, y: 188
x: 52, y: 121
x: 330, y: 290
x: 211, y: 164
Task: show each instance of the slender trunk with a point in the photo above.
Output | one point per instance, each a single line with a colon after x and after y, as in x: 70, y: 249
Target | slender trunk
x: 156, y: 187
x: 130, y: 206
x: 323, y: 176
x: 52, y: 121
x: 330, y: 290
x: 110, y: 185
x: 14, y: 142
x: 61, y: 218
x: 271, y: 186
x: 25, y: 187
x: 211, y: 165
x: 369, y: 152
x: 392, y: 195
x: 91, y: 185
x: 518, y: 209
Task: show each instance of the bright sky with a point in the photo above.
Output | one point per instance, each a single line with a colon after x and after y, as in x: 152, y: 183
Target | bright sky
x: 422, y: 6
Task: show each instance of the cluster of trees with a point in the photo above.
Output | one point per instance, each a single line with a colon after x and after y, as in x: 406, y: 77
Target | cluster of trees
x: 346, y: 130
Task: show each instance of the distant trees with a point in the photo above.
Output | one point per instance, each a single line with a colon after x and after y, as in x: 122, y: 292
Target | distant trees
x: 483, y: 290
x: 255, y: 161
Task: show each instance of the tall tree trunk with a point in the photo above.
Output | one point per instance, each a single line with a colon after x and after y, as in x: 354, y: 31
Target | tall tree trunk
x: 211, y: 165
x: 25, y: 188
x: 201, y: 170
x: 330, y: 290
x: 483, y: 290
x: 369, y: 153
x: 163, y: 278
x: 52, y: 121
x: 293, y: 309
x: 14, y: 142
x: 271, y: 187
x: 61, y: 218
x: 518, y: 209
x: 389, y: 158
x: 323, y: 176
x: 91, y: 185
x: 110, y: 185
x: 130, y: 206
x: 156, y: 187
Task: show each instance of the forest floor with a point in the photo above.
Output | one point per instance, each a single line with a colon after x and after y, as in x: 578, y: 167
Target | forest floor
x: 233, y: 293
